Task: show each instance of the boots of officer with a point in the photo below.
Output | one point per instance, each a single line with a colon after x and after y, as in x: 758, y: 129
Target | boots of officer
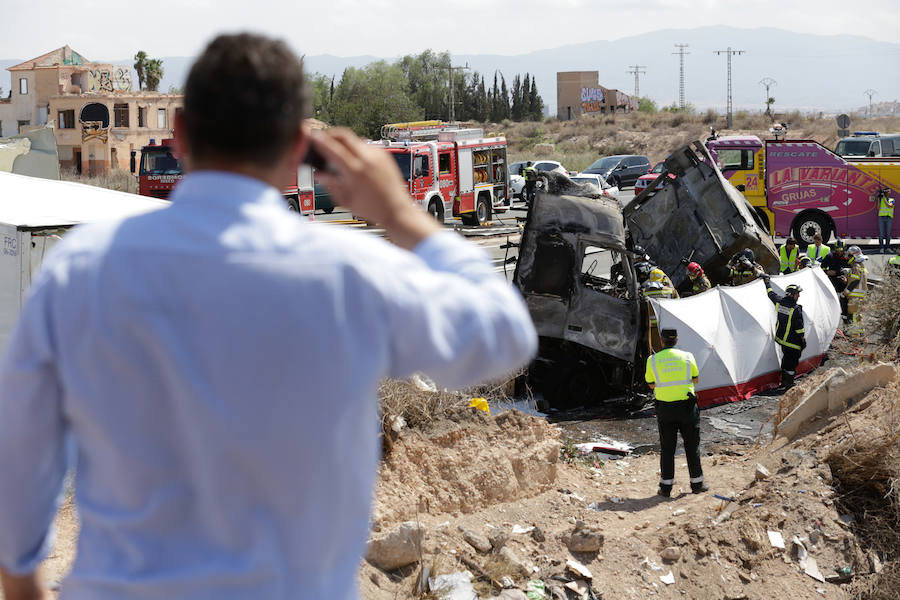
x: 787, y: 380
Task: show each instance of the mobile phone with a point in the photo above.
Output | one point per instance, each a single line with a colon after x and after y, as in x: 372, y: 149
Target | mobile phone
x: 314, y: 159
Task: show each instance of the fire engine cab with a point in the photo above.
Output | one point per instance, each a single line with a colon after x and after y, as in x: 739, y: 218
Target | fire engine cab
x: 161, y: 170
x: 451, y: 168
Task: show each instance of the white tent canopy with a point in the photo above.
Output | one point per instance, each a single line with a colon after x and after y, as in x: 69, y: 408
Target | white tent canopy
x: 33, y: 203
x: 731, y: 332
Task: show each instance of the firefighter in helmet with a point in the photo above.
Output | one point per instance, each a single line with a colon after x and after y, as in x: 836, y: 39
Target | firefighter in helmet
x: 656, y: 285
x: 804, y: 262
x: 743, y: 268
x: 699, y: 280
x: 789, y: 330
x: 855, y: 292
x: 836, y: 265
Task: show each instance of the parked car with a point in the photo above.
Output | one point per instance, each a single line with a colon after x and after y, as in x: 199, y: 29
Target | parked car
x: 620, y: 170
x: 644, y: 180
x: 517, y: 182
x: 610, y: 191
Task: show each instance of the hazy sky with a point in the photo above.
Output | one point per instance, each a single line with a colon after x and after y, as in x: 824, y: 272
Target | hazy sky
x: 115, y: 30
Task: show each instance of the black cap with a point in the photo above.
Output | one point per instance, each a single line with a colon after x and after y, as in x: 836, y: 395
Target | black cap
x: 668, y: 334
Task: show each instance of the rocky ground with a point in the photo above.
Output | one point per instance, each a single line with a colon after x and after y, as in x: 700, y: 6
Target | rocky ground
x: 503, y: 503
x: 491, y: 497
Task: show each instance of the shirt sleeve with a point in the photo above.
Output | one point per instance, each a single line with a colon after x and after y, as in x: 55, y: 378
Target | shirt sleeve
x: 453, y: 318
x: 648, y: 372
x: 32, y: 448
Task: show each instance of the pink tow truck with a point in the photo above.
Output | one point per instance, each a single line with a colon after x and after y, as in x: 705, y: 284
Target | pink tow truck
x: 800, y: 188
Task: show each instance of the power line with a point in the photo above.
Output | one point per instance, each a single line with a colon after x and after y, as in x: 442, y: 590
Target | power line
x: 450, y: 69
x: 729, y: 52
x: 869, y: 92
x: 681, y: 54
x: 636, y: 71
x: 768, y: 82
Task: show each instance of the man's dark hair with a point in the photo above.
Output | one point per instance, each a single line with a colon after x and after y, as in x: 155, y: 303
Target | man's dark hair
x: 244, y: 100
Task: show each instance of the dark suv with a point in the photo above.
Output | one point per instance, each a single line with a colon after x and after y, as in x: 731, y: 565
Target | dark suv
x: 620, y: 170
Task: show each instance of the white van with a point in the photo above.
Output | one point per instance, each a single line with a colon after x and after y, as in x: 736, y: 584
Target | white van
x: 869, y: 144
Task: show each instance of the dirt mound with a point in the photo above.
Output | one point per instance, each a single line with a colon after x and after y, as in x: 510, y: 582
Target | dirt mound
x: 465, y: 466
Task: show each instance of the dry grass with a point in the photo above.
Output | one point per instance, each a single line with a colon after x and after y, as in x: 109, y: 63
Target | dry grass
x: 406, y: 405
x: 866, y: 471
x: 116, y: 179
x: 877, y: 337
x: 580, y: 142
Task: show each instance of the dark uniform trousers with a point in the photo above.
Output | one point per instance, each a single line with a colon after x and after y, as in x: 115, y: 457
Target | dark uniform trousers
x: 672, y: 418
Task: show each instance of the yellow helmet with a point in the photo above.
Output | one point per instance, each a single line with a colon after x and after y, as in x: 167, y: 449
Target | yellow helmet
x: 657, y: 275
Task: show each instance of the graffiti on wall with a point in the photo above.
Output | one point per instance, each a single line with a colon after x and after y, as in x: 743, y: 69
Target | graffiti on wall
x: 591, y: 99
x: 623, y: 99
x: 104, y: 80
x: 122, y: 79
x: 94, y: 119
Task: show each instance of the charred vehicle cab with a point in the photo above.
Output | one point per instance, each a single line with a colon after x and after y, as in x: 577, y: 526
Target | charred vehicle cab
x: 578, y: 282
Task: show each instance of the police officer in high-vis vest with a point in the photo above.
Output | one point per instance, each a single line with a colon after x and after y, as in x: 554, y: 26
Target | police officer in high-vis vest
x: 789, y: 330
x: 788, y: 255
x: 672, y: 373
x: 885, y: 218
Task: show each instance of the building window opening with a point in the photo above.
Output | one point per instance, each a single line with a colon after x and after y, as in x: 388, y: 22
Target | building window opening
x: 67, y: 119
x: 23, y: 86
x: 160, y: 118
x: 120, y: 115
x: 142, y: 116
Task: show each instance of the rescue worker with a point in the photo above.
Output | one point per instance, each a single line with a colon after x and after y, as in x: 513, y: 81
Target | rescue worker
x: 788, y: 255
x: 789, y: 331
x: 835, y: 265
x: 885, y: 218
x: 804, y: 262
x: 818, y: 250
x: 530, y: 175
x: 671, y: 374
x: 743, y: 268
x: 894, y: 262
x: 656, y: 285
x: 855, y: 293
x: 699, y: 280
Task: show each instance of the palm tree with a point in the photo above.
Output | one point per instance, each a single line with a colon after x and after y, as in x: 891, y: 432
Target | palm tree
x: 153, y: 73
x: 769, y: 102
x: 140, y: 65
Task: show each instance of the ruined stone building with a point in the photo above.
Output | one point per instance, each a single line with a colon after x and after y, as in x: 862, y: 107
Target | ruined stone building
x: 578, y: 93
x: 99, y: 119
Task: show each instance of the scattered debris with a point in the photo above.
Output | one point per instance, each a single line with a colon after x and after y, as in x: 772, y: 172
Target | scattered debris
x: 671, y: 553
x: 761, y: 472
x: 776, y: 539
x: 454, y: 586
x: 668, y: 578
x: 579, y: 569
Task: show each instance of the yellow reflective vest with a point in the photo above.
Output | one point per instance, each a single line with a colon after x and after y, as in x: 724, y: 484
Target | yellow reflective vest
x: 788, y: 262
x: 671, y: 371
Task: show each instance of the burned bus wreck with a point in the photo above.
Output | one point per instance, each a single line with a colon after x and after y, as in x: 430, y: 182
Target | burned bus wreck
x: 701, y: 218
x: 575, y: 270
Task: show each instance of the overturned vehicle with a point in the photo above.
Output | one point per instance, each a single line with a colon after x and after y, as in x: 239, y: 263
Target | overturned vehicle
x: 576, y: 272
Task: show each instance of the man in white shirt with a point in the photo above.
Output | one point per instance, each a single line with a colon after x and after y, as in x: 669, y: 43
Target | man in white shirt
x: 215, y: 363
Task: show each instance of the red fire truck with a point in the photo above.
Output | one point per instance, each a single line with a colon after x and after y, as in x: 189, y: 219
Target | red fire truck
x: 451, y: 168
x: 160, y: 170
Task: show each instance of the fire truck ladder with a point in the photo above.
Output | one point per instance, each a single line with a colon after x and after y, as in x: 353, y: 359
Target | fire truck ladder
x: 416, y: 130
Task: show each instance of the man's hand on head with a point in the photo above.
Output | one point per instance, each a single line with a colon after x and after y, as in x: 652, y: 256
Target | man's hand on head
x: 365, y: 179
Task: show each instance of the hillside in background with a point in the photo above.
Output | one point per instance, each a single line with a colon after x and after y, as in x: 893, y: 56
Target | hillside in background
x: 813, y: 72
